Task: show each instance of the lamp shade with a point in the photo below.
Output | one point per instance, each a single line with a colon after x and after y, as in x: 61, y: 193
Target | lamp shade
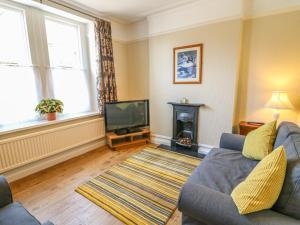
x: 279, y: 100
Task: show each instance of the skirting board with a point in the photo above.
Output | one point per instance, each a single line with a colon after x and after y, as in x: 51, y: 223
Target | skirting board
x: 160, y: 139
x: 37, y: 166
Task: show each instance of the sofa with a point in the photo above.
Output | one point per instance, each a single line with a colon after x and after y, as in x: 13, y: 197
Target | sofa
x: 13, y: 213
x: 205, y: 198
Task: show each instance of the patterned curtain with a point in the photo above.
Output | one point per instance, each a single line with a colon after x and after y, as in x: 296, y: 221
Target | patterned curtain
x: 106, y: 80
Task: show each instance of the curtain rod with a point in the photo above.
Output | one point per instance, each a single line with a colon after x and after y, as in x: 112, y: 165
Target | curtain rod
x: 71, y: 8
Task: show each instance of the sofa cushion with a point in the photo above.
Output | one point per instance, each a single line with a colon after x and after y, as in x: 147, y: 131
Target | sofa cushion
x: 284, y: 130
x: 222, y: 170
x: 289, y: 200
x: 261, y: 189
x: 187, y: 220
x: 259, y: 143
x: 15, y: 214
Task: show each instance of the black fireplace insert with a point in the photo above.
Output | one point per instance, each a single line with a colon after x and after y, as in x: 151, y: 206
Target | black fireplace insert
x: 185, y: 126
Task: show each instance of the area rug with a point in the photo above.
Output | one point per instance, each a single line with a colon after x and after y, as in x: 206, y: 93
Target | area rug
x: 144, y: 189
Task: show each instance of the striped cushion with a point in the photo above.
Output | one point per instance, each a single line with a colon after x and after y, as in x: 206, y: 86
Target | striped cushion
x: 261, y: 188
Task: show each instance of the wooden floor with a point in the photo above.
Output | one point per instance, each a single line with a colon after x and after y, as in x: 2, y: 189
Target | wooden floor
x: 50, y: 195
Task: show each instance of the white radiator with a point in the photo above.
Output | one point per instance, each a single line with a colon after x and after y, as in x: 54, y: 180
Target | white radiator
x: 21, y: 150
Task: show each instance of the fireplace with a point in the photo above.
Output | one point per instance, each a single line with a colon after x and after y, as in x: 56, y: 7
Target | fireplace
x: 185, y: 127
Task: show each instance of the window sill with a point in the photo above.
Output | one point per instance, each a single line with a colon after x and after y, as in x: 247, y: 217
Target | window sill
x: 7, y: 129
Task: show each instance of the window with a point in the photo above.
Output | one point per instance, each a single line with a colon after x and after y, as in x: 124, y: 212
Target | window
x: 18, y: 94
x: 42, y: 56
x: 70, y: 83
x: 13, y: 42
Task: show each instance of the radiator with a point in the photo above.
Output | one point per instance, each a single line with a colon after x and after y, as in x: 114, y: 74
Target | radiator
x: 21, y: 150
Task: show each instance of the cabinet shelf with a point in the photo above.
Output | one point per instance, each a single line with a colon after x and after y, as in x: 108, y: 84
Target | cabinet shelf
x: 115, y: 141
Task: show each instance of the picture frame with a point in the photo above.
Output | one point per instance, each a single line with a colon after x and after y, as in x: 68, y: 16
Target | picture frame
x: 187, y: 62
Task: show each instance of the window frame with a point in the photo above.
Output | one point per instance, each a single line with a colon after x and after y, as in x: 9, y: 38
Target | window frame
x: 81, y: 46
x: 36, y: 37
x: 84, y: 55
x: 26, y: 59
x: 22, y: 10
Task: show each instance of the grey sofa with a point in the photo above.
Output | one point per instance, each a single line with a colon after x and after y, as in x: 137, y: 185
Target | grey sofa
x: 13, y: 213
x: 205, y: 198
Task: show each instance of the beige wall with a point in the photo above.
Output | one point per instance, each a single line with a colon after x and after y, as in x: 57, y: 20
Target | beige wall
x: 132, y: 69
x: 270, y: 61
x: 121, y: 69
x: 138, y: 69
x: 266, y: 60
x: 220, y: 62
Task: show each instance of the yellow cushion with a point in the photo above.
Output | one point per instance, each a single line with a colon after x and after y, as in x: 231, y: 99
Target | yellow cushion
x: 260, y: 190
x: 259, y: 143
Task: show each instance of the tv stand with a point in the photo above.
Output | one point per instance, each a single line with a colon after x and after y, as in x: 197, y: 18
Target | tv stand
x: 127, y: 131
x: 134, y: 130
x: 121, y: 131
x: 115, y: 141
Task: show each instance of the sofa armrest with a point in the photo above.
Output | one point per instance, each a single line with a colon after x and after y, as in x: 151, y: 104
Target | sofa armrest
x: 5, y: 192
x: 232, y: 141
x: 270, y: 217
x: 213, y: 207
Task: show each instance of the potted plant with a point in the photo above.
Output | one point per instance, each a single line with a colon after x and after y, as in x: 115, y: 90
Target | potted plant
x: 50, y: 107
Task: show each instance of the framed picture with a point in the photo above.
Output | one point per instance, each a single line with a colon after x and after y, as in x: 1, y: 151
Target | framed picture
x: 188, y: 64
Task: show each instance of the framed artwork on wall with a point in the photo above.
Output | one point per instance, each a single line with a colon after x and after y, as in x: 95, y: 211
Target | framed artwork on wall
x: 188, y: 64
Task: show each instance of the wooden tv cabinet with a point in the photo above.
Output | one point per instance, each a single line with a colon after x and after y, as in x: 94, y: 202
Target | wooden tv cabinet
x: 115, y: 141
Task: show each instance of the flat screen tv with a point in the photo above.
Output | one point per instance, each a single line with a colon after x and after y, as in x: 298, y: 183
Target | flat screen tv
x: 126, y: 116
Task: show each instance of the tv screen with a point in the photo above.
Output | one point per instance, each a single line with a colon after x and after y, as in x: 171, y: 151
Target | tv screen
x: 128, y: 114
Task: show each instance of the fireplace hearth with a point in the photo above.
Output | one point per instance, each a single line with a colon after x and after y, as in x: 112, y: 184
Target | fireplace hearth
x: 185, y: 127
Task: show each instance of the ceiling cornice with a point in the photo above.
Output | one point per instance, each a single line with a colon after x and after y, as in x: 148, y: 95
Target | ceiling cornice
x: 248, y: 8
x: 164, y: 8
x: 143, y: 15
x: 188, y: 14
x: 94, y: 11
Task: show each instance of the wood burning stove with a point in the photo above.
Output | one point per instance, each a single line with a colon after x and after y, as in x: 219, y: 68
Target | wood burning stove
x: 185, y: 126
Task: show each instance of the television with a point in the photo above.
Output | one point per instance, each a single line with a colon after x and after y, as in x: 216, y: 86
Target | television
x: 126, y: 116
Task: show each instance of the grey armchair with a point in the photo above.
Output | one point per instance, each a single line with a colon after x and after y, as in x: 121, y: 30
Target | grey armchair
x: 205, y: 198
x: 13, y: 213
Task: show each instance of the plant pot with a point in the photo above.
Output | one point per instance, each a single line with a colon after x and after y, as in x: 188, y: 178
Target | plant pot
x: 51, y: 116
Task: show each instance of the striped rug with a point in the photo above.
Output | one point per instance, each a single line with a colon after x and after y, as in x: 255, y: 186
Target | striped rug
x: 144, y: 189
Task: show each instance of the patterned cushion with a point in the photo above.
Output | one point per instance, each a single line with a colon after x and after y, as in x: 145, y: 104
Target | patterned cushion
x: 262, y: 187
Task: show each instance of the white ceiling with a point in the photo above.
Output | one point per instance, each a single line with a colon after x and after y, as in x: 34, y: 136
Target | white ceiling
x: 131, y: 10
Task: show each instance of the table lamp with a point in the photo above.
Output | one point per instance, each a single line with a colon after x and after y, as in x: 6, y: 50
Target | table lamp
x: 279, y: 101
